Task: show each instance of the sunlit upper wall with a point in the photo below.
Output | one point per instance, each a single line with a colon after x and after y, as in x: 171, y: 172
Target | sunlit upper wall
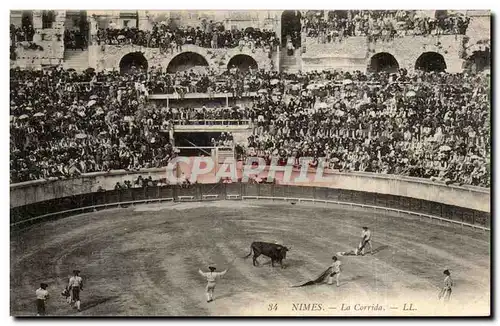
x: 263, y: 19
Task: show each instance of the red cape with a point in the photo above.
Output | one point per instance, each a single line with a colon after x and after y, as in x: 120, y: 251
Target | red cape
x: 317, y: 280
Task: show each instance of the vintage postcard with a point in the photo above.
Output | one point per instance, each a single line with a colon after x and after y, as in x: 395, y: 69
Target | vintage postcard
x: 250, y: 163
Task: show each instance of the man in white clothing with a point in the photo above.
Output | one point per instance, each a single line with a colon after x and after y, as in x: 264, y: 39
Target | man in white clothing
x: 445, y: 292
x: 366, y: 239
x: 41, y: 296
x: 75, y: 285
x: 335, y: 271
x: 211, y: 278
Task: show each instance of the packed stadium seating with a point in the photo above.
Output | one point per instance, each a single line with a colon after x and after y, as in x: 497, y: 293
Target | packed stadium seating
x: 430, y: 125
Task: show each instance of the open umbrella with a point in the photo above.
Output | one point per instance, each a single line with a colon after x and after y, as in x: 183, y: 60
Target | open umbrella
x: 445, y: 148
x: 91, y: 102
x: 24, y: 116
x: 94, y: 97
x: 70, y: 69
x: 274, y: 81
x: 347, y: 82
x: 411, y: 94
x: 80, y: 136
x: 121, y: 37
x: 39, y: 114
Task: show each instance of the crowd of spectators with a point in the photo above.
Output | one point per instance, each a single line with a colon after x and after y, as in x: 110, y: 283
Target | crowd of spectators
x: 429, y: 125
x: 381, y: 24
x: 64, y: 123
x: 75, y: 39
x: 233, y: 81
x: 424, y: 124
x: 22, y: 33
x: 207, y: 35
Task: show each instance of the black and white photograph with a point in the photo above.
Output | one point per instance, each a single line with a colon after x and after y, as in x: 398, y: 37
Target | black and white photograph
x: 250, y: 163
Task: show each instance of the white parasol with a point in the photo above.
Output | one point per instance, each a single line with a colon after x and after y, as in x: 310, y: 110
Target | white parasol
x: 80, y: 136
x: 445, y: 148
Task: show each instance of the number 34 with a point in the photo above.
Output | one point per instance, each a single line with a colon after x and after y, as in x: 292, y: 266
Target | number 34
x: 272, y: 307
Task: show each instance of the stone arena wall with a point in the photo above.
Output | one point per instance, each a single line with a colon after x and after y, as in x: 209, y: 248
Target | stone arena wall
x: 355, y: 53
x: 103, y: 57
x: 476, y: 198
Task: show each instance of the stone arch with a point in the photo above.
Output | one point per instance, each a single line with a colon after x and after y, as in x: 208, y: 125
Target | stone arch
x: 383, y: 61
x: 479, y: 61
x: 185, y: 61
x: 242, y: 62
x: 430, y: 61
x: 133, y: 61
x: 291, y: 25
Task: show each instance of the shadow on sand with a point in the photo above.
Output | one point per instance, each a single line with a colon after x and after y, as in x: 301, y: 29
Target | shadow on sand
x: 95, y: 302
x: 379, y: 249
x: 287, y: 263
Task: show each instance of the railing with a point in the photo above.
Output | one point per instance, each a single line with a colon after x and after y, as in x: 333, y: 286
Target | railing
x: 70, y: 205
x: 212, y: 122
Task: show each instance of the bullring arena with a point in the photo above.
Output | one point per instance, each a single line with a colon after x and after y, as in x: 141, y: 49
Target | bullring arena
x: 373, y: 119
x: 143, y: 260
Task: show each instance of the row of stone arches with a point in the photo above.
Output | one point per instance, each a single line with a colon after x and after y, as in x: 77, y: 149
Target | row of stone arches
x: 184, y: 61
x: 427, y: 61
x: 383, y: 61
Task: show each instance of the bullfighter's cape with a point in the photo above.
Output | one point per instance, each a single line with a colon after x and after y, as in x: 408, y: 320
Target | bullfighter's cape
x: 317, y: 280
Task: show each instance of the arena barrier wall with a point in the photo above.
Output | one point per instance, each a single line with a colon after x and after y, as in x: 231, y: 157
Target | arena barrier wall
x: 476, y: 198
x: 67, y: 205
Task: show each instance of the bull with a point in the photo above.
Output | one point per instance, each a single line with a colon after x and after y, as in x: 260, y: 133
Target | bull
x: 274, y: 251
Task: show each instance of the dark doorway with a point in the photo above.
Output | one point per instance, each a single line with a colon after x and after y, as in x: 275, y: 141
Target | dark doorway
x: 48, y: 18
x: 430, y: 61
x: 196, y: 143
x: 242, y: 62
x: 76, y: 33
x: 27, y: 25
x: 133, y: 62
x: 186, y: 61
x: 291, y: 27
x: 383, y: 62
x: 27, y: 19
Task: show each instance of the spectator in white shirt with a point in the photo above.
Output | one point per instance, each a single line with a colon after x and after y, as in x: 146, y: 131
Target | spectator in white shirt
x: 41, y: 296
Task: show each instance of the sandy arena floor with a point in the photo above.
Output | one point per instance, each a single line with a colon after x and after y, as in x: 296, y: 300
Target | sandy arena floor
x: 144, y: 260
